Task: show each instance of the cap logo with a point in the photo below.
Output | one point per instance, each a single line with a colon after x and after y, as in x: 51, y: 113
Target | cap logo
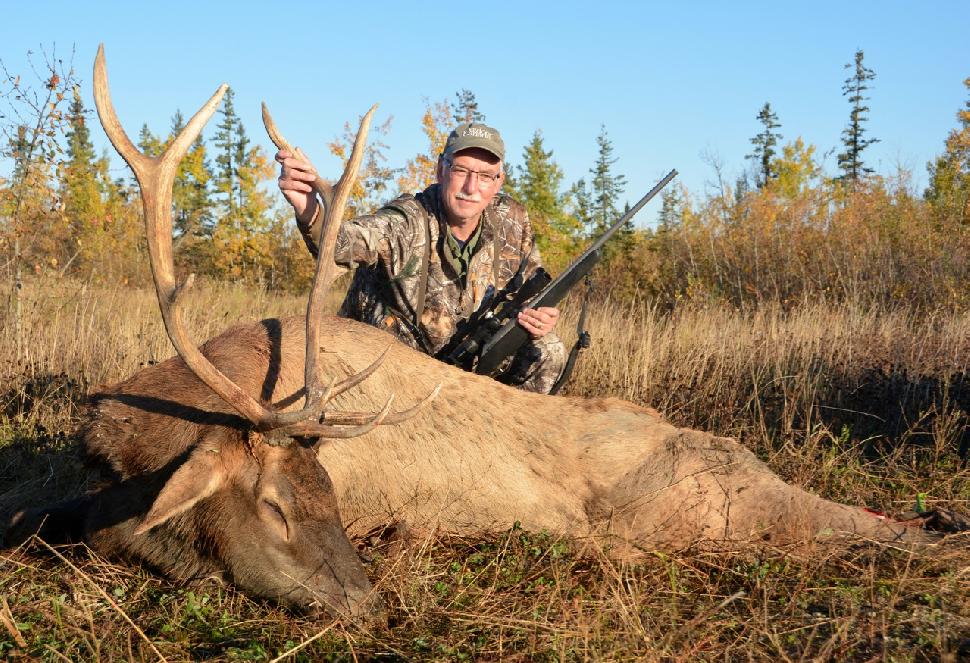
x: 477, y: 132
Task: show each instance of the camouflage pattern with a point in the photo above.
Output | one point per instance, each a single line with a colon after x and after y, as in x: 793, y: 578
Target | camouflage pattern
x: 390, y: 249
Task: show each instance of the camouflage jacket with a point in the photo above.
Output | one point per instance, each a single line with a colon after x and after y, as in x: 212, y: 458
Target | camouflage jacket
x: 396, y: 246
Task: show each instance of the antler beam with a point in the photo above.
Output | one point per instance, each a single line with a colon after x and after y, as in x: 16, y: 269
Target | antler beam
x: 156, y: 177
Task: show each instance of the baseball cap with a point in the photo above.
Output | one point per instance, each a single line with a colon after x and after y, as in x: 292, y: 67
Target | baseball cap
x: 475, y: 134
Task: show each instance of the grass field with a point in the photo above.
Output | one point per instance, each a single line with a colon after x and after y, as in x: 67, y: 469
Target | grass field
x: 867, y: 407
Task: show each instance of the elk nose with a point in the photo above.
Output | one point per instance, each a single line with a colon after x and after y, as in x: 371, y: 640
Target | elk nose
x: 371, y: 612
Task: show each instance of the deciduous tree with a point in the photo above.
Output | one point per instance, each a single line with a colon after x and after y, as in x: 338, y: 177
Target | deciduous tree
x: 373, y: 185
x: 419, y: 172
x: 949, y: 189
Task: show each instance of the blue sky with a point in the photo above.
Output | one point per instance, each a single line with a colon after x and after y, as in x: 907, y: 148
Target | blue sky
x: 675, y: 86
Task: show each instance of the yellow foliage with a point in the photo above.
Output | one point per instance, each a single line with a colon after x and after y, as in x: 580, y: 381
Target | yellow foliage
x: 419, y: 172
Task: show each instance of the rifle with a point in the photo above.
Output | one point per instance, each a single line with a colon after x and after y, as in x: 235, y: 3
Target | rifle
x: 492, y: 333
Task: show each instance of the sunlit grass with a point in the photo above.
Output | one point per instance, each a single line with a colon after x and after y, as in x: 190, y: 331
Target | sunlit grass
x: 863, y: 406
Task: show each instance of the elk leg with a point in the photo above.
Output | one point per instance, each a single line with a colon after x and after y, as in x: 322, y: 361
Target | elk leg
x: 697, y: 487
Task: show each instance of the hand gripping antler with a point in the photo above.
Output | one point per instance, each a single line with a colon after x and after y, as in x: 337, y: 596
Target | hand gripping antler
x: 156, y: 177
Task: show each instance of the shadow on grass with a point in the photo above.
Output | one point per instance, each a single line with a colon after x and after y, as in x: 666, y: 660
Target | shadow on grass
x: 41, y: 460
x: 884, y: 406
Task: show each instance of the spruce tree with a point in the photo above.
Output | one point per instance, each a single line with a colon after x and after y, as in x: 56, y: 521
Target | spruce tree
x: 538, y: 182
x: 81, y: 194
x: 538, y: 188
x: 465, y: 108
x: 764, y: 146
x: 671, y: 209
x: 853, y: 136
x: 227, y: 158
x: 149, y: 143
x: 606, y: 187
x: 190, y: 192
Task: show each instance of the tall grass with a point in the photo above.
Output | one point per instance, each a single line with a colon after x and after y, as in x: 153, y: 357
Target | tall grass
x: 865, y: 405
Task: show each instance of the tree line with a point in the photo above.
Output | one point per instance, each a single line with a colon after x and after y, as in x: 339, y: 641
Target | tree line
x: 783, y: 231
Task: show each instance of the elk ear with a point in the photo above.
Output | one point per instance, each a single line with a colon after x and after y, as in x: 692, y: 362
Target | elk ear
x: 199, y: 477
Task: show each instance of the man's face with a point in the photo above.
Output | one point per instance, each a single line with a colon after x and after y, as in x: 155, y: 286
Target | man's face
x: 469, y: 180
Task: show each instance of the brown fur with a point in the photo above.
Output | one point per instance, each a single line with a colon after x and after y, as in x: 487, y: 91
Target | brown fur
x: 485, y: 455
x: 481, y: 457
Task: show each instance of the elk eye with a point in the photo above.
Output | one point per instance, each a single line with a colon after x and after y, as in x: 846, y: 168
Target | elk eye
x: 275, y: 515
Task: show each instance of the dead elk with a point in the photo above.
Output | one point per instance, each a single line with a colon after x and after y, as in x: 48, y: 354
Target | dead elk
x: 486, y: 456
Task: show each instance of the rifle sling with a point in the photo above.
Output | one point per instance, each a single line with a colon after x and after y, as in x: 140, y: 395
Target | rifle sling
x: 582, y: 342
x: 425, y: 265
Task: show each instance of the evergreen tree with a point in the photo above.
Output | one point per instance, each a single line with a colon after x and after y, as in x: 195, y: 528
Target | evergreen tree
x: 606, y: 187
x: 853, y: 136
x: 190, y: 194
x: 465, y: 109
x: 671, y: 209
x: 949, y: 189
x: 581, y: 204
x: 149, y: 143
x: 81, y: 192
x: 537, y: 186
x: 538, y: 182
x: 241, y: 234
x: 764, y: 146
x: 226, y: 180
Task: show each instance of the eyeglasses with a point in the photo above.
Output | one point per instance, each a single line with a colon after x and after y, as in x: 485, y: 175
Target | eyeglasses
x: 484, y: 179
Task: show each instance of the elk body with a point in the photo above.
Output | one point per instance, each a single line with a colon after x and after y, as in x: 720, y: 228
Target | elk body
x: 215, y: 467
x: 485, y: 455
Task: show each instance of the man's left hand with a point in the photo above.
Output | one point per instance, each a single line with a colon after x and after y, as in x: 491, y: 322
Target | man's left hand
x: 539, y: 321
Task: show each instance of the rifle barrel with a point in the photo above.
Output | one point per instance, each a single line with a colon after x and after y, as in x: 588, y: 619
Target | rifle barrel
x: 598, y: 244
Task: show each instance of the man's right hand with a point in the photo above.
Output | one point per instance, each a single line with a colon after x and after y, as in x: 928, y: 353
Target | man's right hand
x: 296, y: 179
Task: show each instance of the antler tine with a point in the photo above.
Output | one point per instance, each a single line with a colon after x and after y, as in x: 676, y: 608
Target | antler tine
x: 138, y: 162
x: 325, y: 265
x: 320, y: 185
x: 155, y: 180
x: 351, y: 418
x: 353, y: 380
x: 316, y: 397
x: 313, y: 429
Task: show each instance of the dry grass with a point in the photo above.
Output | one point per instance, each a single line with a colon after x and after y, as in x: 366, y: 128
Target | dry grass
x: 868, y: 407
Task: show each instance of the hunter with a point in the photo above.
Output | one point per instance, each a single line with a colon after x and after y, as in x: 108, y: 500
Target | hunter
x: 425, y: 261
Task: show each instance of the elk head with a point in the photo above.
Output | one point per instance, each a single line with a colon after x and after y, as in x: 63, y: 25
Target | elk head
x: 269, y: 505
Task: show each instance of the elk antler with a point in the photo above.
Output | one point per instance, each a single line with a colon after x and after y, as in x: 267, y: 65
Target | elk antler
x: 156, y: 177
x: 325, y: 271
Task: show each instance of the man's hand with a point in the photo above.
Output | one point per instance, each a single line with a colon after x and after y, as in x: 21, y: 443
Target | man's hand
x: 296, y: 178
x: 539, y: 321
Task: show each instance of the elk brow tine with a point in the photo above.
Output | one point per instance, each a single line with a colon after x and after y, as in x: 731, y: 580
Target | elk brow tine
x: 348, y: 418
x: 325, y: 265
x: 155, y: 179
